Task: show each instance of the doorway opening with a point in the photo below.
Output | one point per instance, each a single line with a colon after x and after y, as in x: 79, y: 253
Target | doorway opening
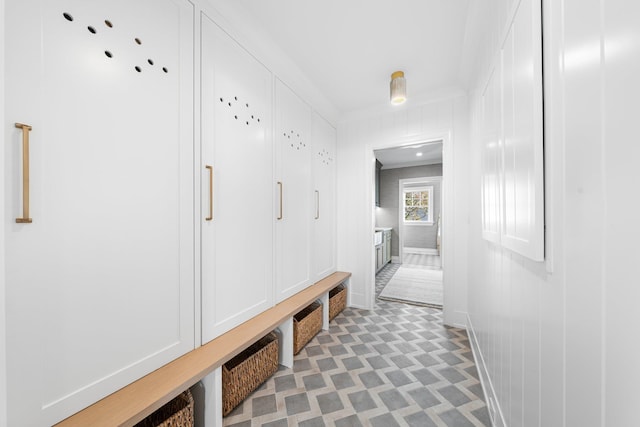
x: 408, y: 224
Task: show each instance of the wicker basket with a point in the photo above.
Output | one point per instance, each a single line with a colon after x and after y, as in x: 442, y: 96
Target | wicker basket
x: 306, y: 324
x: 245, y: 372
x: 177, y: 413
x: 337, y: 300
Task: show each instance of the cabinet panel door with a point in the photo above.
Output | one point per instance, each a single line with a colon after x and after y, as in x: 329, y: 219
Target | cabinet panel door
x: 491, y: 128
x: 100, y: 286
x: 324, y: 225
x: 387, y: 246
x: 293, y: 142
x: 523, y: 179
x: 237, y: 242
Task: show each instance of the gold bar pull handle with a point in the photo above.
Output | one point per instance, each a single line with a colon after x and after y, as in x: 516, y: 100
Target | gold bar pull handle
x: 280, y: 189
x: 317, y: 204
x: 25, y: 174
x: 210, y: 217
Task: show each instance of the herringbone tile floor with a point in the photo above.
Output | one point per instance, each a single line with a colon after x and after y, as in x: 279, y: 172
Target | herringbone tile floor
x: 394, y: 366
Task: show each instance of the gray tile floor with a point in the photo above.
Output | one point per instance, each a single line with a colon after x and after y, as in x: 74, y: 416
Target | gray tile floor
x: 394, y: 366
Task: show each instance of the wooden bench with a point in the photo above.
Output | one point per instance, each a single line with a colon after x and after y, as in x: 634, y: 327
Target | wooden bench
x: 131, y: 404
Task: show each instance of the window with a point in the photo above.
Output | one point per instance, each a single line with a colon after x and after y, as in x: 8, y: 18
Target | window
x: 418, y: 205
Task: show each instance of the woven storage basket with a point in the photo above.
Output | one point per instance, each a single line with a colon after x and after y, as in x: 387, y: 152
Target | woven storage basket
x: 337, y: 300
x: 306, y: 324
x: 245, y: 372
x: 177, y: 413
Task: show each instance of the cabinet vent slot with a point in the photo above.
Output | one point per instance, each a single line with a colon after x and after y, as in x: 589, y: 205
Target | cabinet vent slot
x: 92, y: 29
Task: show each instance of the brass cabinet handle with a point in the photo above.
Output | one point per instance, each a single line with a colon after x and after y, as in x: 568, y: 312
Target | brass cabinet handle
x: 280, y: 188
x: 210, y: 217
x: 25, y: 174
x: 317, y: 204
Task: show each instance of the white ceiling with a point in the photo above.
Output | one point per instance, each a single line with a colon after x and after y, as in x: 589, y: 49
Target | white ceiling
x: 349, y: 48
x: 400, y: 157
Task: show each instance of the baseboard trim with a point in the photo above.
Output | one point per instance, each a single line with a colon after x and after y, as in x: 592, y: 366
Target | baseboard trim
x: 421, y: 251
x: 395, y: 260
x: 493, y: 405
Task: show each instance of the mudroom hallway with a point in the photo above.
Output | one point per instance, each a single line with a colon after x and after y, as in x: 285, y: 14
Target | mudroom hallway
x: 396, y: 365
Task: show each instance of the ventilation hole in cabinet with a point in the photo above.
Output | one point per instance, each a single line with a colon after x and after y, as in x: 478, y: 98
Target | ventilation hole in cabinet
x: 258, y: 120
x: 247, y: 123
x: 138, y: 69
x: 68, y: 17
x: 221, y: 100
x: 252, y: 117
x: 108, y: 23
x: 229, y: 104
x: 247, y: 105
x: 165, y: 69
x: 138, y: 41
x: 91, y: 29
x: 150, y: 61
x: 235, y: 97
x: 109, y: 54
x: 291, y: 145
x: 236, y: 117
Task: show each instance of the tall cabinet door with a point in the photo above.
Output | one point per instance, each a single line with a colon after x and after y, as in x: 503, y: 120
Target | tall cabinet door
x: 100, y: 280
x: 237, y: 176
x: 324, y: 179
x: 294, y: 193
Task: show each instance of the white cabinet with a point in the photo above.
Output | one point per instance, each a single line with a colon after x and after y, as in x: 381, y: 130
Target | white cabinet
x: 511, y: 125
x: 236, y: 182
x: 100, y: 285
x: 523, y: 178
x: 323, y: 137
x: 491, y: 139
x: 293, y: 211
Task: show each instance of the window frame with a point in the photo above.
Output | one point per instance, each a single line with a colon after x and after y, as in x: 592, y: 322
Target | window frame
x: 422, y: 188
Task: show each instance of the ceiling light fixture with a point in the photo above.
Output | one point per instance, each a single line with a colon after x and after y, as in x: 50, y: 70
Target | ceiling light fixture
x: 419, y: 154
x: 398, y: 88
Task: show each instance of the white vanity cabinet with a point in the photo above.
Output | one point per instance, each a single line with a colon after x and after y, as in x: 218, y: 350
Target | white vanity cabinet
x: 100, y: 270
x: 236, y: 184
x: 323, y: 138
x: 294, y: 211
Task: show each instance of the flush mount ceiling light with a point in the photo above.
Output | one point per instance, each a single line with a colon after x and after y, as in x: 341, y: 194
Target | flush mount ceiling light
x: 419, y: 154
x: 398, y: 88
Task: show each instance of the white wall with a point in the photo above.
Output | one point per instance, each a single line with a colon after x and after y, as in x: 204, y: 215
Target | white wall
x: 3, y: 341
x: 358, y: 135
x: 554, y: 337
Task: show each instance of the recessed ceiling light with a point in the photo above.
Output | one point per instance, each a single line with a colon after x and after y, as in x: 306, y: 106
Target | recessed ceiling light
x: 418, y: 154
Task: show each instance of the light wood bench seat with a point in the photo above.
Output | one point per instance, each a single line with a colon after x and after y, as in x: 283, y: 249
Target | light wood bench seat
x: 134, y: 402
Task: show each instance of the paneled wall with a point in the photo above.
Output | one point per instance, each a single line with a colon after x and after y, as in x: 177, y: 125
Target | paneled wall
x: 387, y: 215
x: 3, y: 374
x: 552, y: 337
x: 445, y: 118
